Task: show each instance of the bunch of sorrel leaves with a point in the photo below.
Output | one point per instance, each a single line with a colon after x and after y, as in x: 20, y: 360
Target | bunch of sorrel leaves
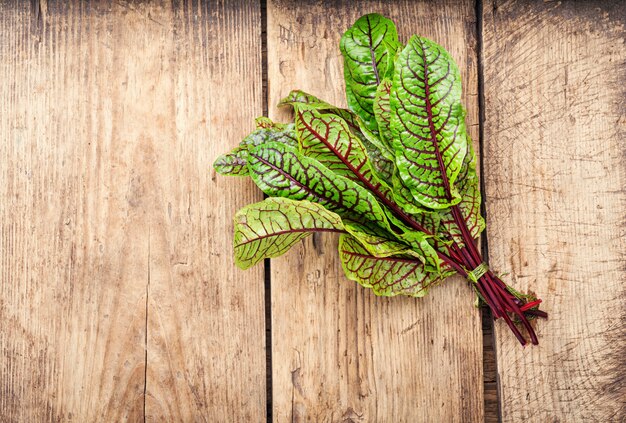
x: 395, y: 175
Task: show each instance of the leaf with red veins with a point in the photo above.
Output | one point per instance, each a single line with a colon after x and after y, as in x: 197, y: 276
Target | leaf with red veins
x: 428, y: 123
x: 271, y: 227
x: 382, y: 111
x: 469, y: 188
x: 386, y: 276
x: 368, y: 49
x: 281, y: 171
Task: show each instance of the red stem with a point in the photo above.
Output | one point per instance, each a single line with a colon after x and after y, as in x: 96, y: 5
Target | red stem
x: 494, y: 291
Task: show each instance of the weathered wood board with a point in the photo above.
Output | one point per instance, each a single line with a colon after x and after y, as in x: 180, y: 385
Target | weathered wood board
x: 554, y: 162
x: 340, y: 353
x: 119, y: 300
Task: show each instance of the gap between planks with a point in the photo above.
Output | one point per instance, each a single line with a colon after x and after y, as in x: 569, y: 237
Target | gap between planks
x: 490, y: 363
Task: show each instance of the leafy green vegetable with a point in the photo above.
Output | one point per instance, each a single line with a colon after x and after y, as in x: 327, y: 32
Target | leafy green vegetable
x: 382, y: 112
x: 427, y: 122
x: 382, y: 159
x: 281, y: 171
x: 233, y: 163
x: 328, y: 139
x: 273, y: 226
x: 469, y: 205
x: 368, y: 50
x: 388, y: 276
x: 395, y: 174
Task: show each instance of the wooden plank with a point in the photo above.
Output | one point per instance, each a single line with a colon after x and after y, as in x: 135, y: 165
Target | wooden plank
x: 340, y: 353
x: 206, y: 345
x: 115, y: 236
x: 555, y: 174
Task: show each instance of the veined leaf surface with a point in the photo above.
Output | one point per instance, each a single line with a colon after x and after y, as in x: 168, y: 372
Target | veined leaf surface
x: 299, y: 99
x: 428, y: 122
x: 382, y: 166
x: 401, y: 193
x: 283, y: 133
x: 387, y: 276
x: 382, y: 111
x: 271, y: 227
x: 469, y: 189
x: 281, y: 171
x: 381, y: 243
x: 381, y: 158
x: 368, y: 48
x: 233, y: 163
x: 381, y: 154
x: 328, y: 138
x: 267, y: 123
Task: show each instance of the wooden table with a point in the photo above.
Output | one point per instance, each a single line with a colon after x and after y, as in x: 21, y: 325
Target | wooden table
x: 119, y: 299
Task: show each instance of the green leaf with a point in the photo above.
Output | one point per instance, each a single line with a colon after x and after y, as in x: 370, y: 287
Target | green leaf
x: 327, y: 138
x: 283, y: 133
x: 421, y: 247
x: 388, y: 276
x: 381, y: 165
x: 403, y: 195
x: 271, y: 227
x: 427, y: 122
x: 282, y: 171
x: 381, y: 243
x: 380, y: 154
x: 469, y: 189
x: 381, y: 158
x: 427, y: 218
x: 302, y: 100
x: 382, y: 111
x: 267, y: 123
x: 233, y: 163
x: 368, y: 48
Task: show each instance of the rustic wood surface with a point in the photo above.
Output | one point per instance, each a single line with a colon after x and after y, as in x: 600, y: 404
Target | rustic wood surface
x: 339, y: 353
x: 555, y: 97
x: 119, y: 299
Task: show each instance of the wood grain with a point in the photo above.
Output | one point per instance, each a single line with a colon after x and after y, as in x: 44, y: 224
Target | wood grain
x: 555, y: 78
x: 340, y: 353
x: 113, y: 228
